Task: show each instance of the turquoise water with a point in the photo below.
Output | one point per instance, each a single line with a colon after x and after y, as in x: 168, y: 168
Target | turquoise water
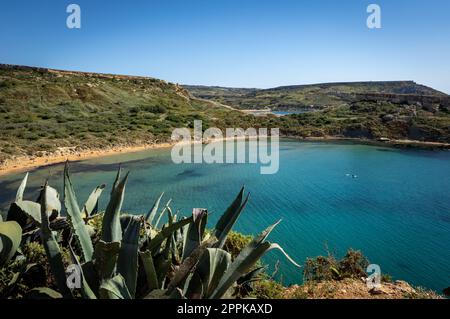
x: 397, y: 210
x: 284, y: 113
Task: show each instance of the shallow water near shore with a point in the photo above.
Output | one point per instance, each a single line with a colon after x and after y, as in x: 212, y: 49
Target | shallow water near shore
x: 392, y: 204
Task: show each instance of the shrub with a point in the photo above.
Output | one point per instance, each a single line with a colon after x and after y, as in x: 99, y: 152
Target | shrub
x: 323, y: 268
x: 267, y: 289
x: 236, y: 242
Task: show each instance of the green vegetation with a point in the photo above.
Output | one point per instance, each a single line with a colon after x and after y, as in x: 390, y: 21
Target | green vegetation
x: 345, y: 278
x: 42, y: 110
x: 368, y: 110
x: 315, y: 96
x: 353, y: 265
x: 121, y: 256
x: 45, y: 111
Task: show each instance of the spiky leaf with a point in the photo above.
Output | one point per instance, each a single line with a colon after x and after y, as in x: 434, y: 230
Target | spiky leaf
x: 21, y: 211
x: 229, y: 218
x: 166, y: 232
x: 105, y: 256
x: 86, y: 290
x: 52, y: 248
x: 150, y: 271
x: 111, y: 230
x: 21, y: 189
x: 246, y: 259
x: 210, y: 269
x: 10, y: 238
x: 193, y: 233
x: 152, y: 212
x: 91, y: 206
x: 127, y: 263
x: 114, y: 288
x: 81, y: 231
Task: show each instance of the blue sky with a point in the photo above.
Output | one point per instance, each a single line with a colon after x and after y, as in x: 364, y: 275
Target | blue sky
x: 244, y: 43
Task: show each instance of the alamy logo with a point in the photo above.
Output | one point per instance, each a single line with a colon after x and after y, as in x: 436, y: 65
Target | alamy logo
x: 208, y: 147
x: 73, y: 280
x: 374, y: 279
x: 74, y: 19
x: 374, y: 19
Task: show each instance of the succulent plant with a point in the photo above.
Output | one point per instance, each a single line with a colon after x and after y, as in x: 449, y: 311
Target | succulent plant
x: 132, y: 256
x: 10, y: 238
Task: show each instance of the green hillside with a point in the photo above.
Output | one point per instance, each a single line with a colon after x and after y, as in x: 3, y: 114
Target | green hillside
x: 41, y: 110
x: 316, y: 96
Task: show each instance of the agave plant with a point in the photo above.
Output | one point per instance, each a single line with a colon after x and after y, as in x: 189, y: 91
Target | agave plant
x: 132, y: 256
x: 10, y: 238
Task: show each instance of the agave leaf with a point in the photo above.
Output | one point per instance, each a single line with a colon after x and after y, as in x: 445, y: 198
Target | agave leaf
x: 166, y: 232
x: 10, y: 238
x: 52, y: 248
x: 161, y: 214
x: 117, y: 179
x: 276, y: 246
x: 114, y: 288
x: 127, y: 263
x: 150, y: 271
x: 251, y: 276
x: 229, y: 218
x: 174, y: 245
x: 21, y: 189
x: 246, y: 259
x: 105, y: 256
x: 91, y: 206
x: 210, y: 269
x: 163, y: 262
x: 194, y: 286
x: 42, y: 293
x: 152, y: 212
x: 188, y: 265
x: 86, y: 290
x: 162, y: 266
x: 71, y: 204
x: 91, y: 275
x: 111, y: 230
x: 193, y: 233
x: 22, y: 210
x: 53, y: 203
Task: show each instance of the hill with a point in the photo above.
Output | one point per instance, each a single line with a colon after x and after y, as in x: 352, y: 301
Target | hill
x: 55, y: 114
x: 42, y: 110
x: 315, y: 96
x: 398, y: 113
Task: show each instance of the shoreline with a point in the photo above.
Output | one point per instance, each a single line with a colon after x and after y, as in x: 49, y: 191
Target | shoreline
x: 410, y: 144
x: 63, y: 154
x: 22, y: 163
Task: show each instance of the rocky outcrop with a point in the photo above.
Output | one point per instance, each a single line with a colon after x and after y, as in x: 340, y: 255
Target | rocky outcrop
x: 357, y: 289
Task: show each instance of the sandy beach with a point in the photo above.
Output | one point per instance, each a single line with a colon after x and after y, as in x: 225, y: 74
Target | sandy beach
x: 22, y: 163
x: 63, y: 154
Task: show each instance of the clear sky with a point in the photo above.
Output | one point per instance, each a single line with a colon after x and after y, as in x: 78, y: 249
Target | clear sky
x: 245, y: 43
